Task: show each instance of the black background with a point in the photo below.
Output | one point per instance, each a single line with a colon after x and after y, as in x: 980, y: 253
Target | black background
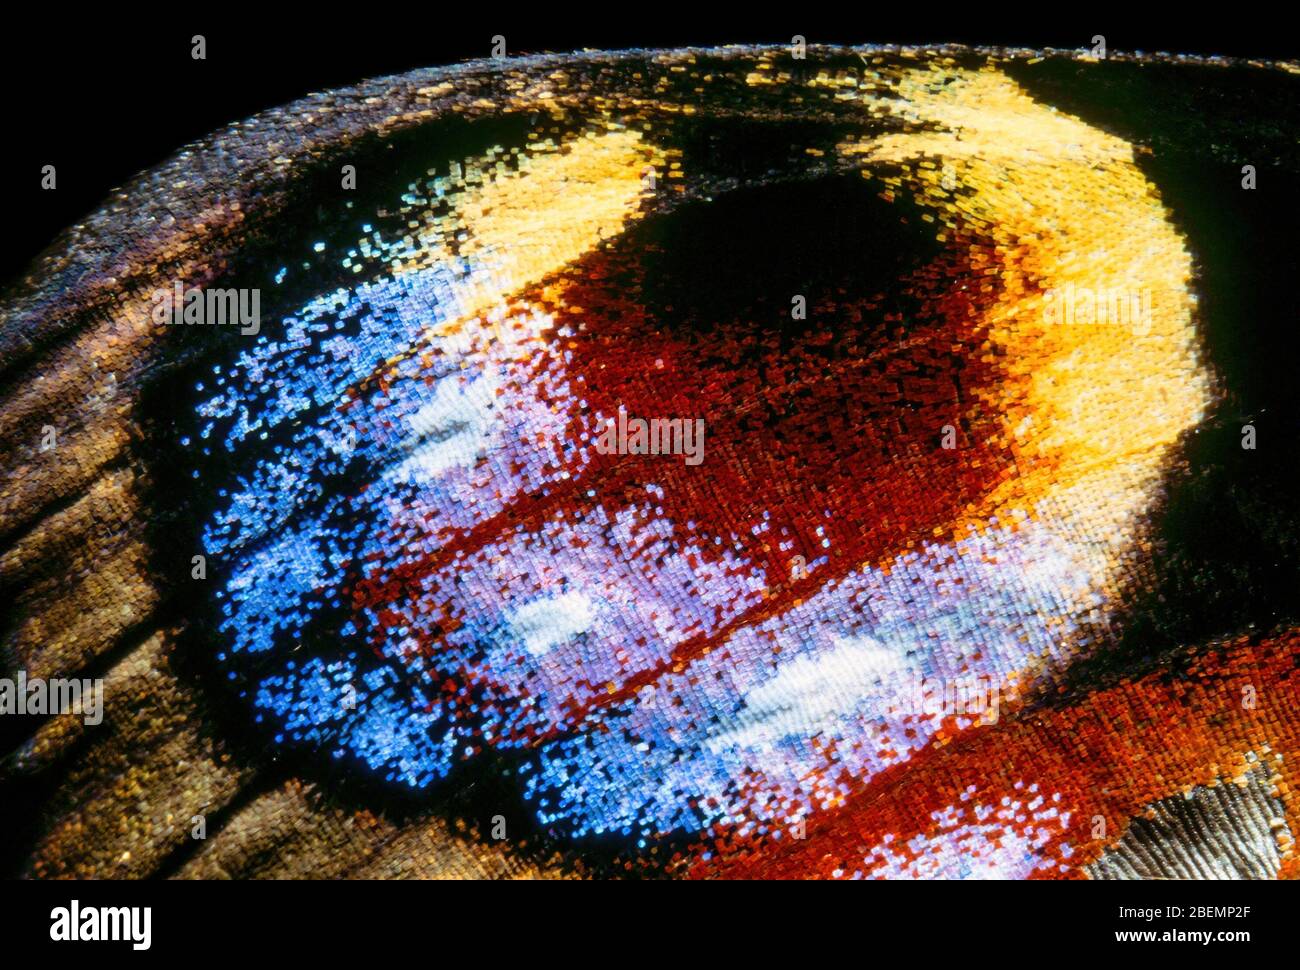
x: 588, y: 924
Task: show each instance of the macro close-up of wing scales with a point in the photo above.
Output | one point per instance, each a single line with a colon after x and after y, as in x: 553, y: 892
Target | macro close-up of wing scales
x: 781, y: 461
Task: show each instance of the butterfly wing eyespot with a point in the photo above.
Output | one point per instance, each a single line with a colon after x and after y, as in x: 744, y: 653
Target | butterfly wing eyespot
x: 920, y: 347
x: 507, y: 585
